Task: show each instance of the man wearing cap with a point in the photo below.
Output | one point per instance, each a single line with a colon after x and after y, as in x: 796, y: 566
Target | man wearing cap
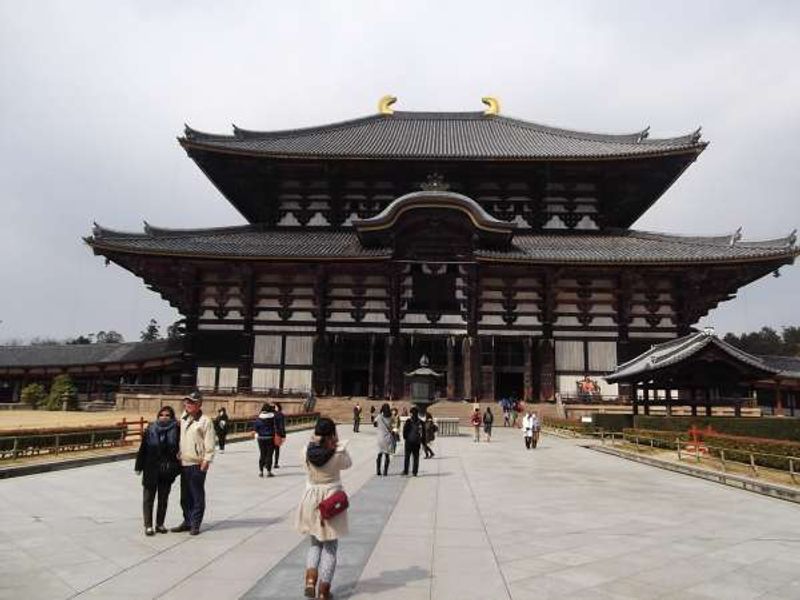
x: 197, y: 452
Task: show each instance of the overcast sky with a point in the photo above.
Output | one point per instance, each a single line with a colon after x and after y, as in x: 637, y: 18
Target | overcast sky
x: 93, y: 94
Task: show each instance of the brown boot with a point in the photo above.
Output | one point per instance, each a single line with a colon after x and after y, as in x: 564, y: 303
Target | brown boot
x: 311, y: 583
x: 325, y: 591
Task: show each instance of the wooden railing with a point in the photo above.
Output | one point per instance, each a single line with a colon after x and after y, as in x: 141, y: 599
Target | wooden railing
x: 697, y: 451
x: 125, y: 433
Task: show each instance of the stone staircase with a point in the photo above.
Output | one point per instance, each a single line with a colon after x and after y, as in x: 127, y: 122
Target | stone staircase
x: 97, y: 405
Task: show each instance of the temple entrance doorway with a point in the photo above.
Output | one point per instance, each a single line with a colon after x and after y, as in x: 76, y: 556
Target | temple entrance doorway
x: 355, y: 382
x: 507, y: 385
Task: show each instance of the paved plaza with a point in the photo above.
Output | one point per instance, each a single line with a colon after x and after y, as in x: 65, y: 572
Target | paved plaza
x: 488, y: 521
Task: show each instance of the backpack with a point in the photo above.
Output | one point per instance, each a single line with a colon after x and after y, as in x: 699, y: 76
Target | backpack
x: 414, y: 433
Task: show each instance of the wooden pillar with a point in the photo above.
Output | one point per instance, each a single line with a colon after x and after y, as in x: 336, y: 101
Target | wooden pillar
x: 527, y: 378
x: 646, y: 399
x: 547, y: 372
x: 635, y: 398
x: 669, y: 401
x: 248, y: 284
x: 468, y: 351
x: 694, y: 401
x: 371, y: 375
x: 451, y: 367
x: 708, y: 401
x: 778, y: 399
x: 189, y: 282
x: 387, y: 368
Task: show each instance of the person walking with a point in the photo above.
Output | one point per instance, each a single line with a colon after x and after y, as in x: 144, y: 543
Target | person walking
x: 396, y: 425
x: 197, y: 440
x: 385, y: 439
x: 413, y: 435
x: 506, y: 407
x: 475, y: 420
x: 516, y: 409
x: 488, y: 421
x: 356, y: 417
x: 280, y: 432
x: 324, y: 458
x: 536, y: 428
x: 221, y: 425
x: 264, y: 432
x: 157, y: 462
x: 372, y: 415
x: 527, y: 429
x: 430, y: 434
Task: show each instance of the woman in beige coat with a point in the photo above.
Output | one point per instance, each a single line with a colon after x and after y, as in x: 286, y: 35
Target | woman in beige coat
x: 324, y: 459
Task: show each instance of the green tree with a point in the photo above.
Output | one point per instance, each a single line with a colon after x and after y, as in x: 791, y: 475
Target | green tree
x: 109, y: 337
x: 34, y: 395
x: 791, y: 340
x: 175, y: 330
x: 62, y: 389
x: 81, y: 340
x: 151, y: 332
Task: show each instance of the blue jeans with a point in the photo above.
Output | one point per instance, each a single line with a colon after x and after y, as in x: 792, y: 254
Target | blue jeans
x: 193, y: 495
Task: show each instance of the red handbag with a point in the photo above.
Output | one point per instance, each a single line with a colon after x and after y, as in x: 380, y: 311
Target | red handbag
x: 333, y: 505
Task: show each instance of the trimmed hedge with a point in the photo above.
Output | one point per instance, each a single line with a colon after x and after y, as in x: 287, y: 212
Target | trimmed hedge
x: 759, y: 427
x: 611, y: 422
x: 575, y: 426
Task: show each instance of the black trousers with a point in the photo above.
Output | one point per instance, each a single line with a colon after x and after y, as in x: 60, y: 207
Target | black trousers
x: 161, y: 489
x: 385, y: 463
x: 428, y: 451
x: 266, y: 449
x: 411, y: 451
x: 221, y: 439
x: 277, y: 454
x: 356, y: 425
x: 193, y: 495
x: 528, y: 442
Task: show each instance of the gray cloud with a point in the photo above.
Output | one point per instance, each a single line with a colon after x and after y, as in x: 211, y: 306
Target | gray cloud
x: 92, y: 95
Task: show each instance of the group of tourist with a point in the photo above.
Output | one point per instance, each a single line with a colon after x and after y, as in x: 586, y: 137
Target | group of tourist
x: 173, y: 447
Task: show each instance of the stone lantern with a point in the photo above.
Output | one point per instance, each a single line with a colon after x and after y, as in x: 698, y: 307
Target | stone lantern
x: 422, y: 385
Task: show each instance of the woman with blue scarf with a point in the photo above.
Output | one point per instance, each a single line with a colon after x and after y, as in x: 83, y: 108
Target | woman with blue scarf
x: 157, y: 461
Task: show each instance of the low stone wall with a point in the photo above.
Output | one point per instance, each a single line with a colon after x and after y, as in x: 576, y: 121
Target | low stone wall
x: 235, y: 406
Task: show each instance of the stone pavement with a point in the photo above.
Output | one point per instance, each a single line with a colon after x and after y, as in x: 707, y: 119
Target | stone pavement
x: 488, y: 521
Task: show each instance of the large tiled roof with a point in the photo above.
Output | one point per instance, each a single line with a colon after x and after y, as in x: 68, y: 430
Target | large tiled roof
x: 87, y: 354
x: 619, y: 246
x: 676, y: 351
x: 441, y: 135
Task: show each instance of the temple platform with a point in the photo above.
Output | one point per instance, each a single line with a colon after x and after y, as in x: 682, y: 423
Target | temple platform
x: 481, y: 521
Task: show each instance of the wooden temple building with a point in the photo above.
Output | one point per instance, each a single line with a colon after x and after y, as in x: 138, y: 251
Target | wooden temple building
x: 499, y: 248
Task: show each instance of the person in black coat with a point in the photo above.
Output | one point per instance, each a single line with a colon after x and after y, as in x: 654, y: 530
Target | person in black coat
x: 157, y: 462
x: 280, y: 432
x: 221, y: 425
x: 413, y: 434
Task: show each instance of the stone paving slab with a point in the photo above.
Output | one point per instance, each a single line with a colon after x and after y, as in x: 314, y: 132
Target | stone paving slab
x: 481, y: 521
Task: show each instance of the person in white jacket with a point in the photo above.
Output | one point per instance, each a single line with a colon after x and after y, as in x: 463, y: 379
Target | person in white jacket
x: 196, y: 453
x: 529, y: 422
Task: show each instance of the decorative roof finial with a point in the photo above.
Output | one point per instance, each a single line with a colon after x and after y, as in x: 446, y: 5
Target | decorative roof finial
x: 493, y: 105
x: 737, y: 235
x: 792, y: 240
x: 708, y: 330
x: 423, y: 361
x: 385, y: 105
x: 435, y: 183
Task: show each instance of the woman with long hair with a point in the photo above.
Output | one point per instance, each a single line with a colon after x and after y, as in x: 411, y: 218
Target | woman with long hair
x: 324, y: 459
x: 157, y: 461
x: 385, y: 438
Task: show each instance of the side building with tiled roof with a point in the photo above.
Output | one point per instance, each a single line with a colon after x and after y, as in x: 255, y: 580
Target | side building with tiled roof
x: 499, y: 248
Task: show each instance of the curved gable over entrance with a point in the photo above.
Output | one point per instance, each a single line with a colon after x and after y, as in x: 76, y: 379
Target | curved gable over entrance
x: 434, y: 225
